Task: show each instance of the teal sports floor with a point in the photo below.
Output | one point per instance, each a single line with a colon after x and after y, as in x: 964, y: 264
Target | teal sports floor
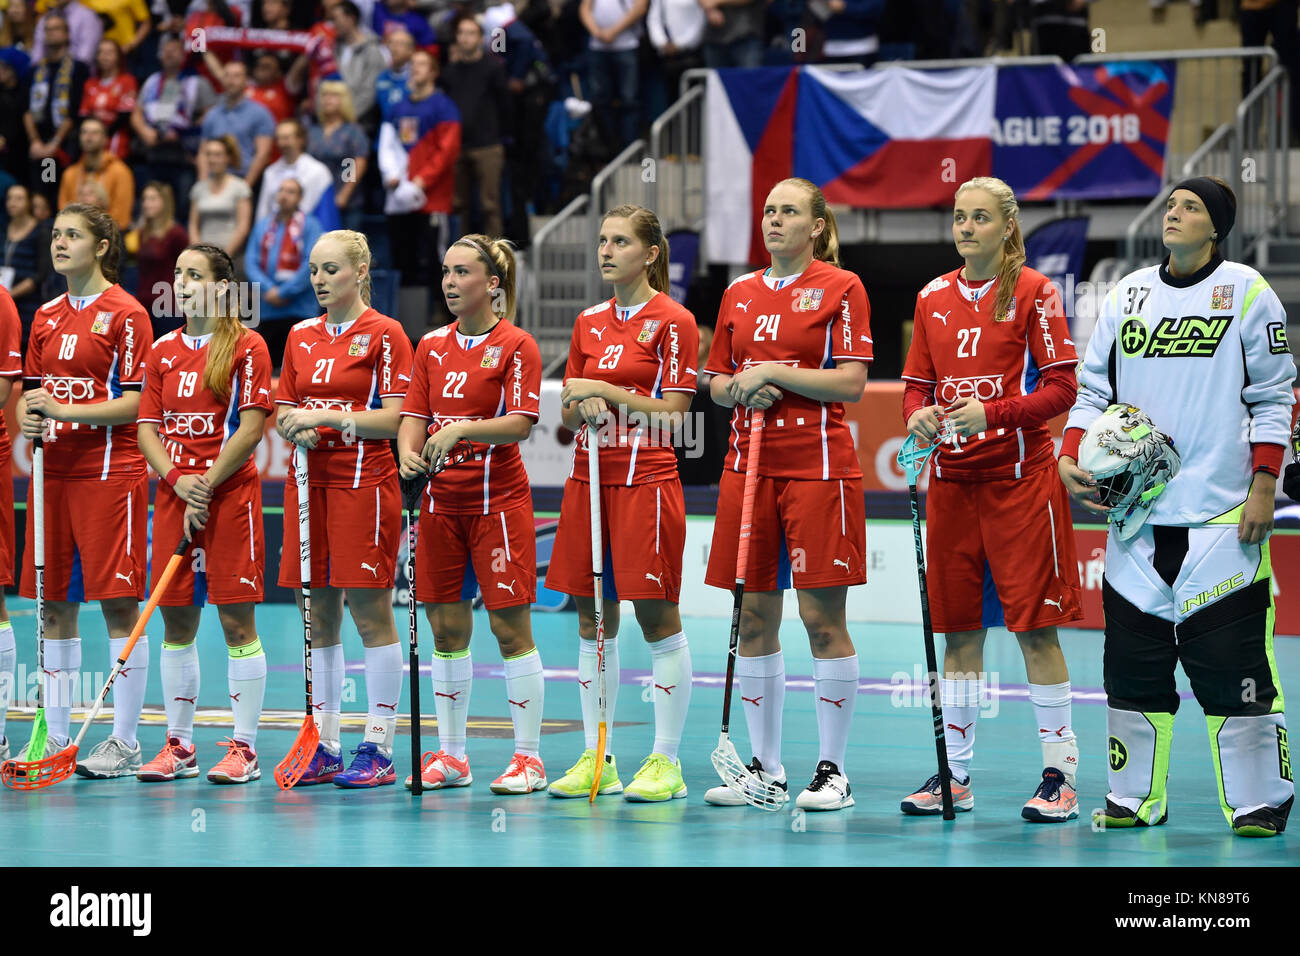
x: 123, y: 822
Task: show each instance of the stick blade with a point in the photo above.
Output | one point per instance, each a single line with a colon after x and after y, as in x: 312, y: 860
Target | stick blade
x: 39, y: 774
x: 602, y: 734
x: 40, y: 737
x: 742, y: 781
x: 290, y: 770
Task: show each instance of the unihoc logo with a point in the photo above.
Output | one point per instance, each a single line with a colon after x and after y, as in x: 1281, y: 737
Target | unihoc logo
x: 982, y: 388
x: 846, y: 323
x: 518, y: 386
x: 673, y: 349
x: 388, y: 366
x: 64, y: 388
x: 1048, y: 343
x: 75, y: 909
x: 189, y: 424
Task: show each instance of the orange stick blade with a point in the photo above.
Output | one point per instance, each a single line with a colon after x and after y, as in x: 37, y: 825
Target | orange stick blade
x: 290, y: 770
x: 39, y: 774
x: 600, y: 762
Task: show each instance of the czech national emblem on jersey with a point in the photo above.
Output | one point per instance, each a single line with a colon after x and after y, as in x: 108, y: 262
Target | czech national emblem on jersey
x: 809, y: 300
x: 359, y: 344
x: 102, y: 321
x: 648, y: 330
x: 1221, y: 297
x: 1008, y: 315
x: 491, y: 357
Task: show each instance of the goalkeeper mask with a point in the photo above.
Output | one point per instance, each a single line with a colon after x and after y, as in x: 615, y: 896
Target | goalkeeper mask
x: 1131, y: 461
x: 1291, y: 477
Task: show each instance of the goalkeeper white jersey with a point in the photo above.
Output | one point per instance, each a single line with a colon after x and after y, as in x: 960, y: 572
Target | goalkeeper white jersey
x: 1206, y: 357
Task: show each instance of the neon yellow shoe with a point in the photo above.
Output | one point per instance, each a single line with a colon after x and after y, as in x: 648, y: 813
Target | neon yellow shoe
x: 659, y: 779
x: 576, y: 781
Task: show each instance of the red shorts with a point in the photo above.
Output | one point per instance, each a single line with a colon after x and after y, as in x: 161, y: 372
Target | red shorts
x: 1001, y: 551
x: 227, y: 563
x: 807, y: 534
x: 96, y: 539
x: 355, y: 533
x: 6, y: 521
x: 456, y: 554
x: 643, y: 528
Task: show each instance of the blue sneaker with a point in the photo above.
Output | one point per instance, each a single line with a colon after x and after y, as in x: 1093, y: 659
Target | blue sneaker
x: 370, y: 768
x: 323, y: 767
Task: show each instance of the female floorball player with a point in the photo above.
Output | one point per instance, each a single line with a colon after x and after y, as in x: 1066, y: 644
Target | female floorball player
x: 85, y: 363
x: 11, y: 370
x: 991, y: 346
x: 478, y: 379
x: 206, y: 397
x: 344, y: 376
x: 631, y: 366
x: 1199, y: 345
x: 794, y: 339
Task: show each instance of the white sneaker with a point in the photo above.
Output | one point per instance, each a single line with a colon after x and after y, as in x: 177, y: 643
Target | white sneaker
x: 724, y: 796
x: 523, y: 775
x: 829, y: 790
x: 111, y: 758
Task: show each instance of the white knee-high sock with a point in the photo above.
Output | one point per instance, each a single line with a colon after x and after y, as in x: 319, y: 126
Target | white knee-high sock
x: 63, y: 670
x: 453, y: 677
x: 246, y: 675
x: 835, y: 682
x: 129, y: 688
x: 670, y: 665
x: 589, y: 694
x: 1052, y: 711
x: 8, y: 657
x: 525, y: 690
x: 762, y: 696
x: 961, y: 708
x: 327, y: 669
x: 383, y: 693
x: 180, y: 682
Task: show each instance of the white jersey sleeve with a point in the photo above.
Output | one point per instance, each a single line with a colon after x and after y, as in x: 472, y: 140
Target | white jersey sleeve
x: 1270, y: 367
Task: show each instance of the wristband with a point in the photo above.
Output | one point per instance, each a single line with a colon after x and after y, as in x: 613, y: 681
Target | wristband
x: 172, y: 477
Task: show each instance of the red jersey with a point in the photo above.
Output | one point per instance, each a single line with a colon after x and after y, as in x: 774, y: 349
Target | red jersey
x: 84, y: 357
x: 193, y: 423
x: 346, y: 368
x: 650, y: 352
x: 111, y: 102
x: 277, y: 99
x: 961, y: 350
x: 500, y: 375
x: 11, y: 358
x: 813, y: 321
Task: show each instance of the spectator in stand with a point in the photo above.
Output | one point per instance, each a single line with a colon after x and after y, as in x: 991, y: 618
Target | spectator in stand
x: 476, y: 83
x: 343, y: 146
x: 269, y: 89
x: 274, y: 15
x: 18, y: 26
x: 109, y: 96
x: 417, y: 155
x: 166, y: 119
x: 400, y: 13
x: 157, y: 240
x: 360, y: 59
x: 677, y: 31
x: 614, y: 63
x: 14, y: 158
x: 852, y: 31
x: 1273, y: 23
x: 92, y: 194
x: 390, y: 87
x: 202, y: 15
x: 83, y: 26
x: 55, y: 100
x: 1060, y: 27
x: 277, y: 264
x: 557, y: 27
x: 734, y: 33
x: 42, y: 209
x: 26, y: 256
x: 126, y: 22
x: 248, y: 121
x: 314, y: 180
x: 100, y: 166
x: 221, y: 203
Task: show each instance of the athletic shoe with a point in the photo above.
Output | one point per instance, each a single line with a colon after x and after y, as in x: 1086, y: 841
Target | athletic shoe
x: 239, y: 765
x: 112, y: 758
x: 441, y: 770
x: 1264, y: 822
x: 524, y: 775
x: 1054, y: 801
x: 172, y: 762
x: 325, y: 764
x: 724, y: 796
x: 1121, y: 817
x: 370, y: 768
x: 829, y: 790
x: 659, y: 779
x: 576, y: 781
x: 929, y: 799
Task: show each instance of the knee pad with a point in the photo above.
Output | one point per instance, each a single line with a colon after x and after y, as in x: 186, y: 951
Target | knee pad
x: 1227, y: 651
x: 1139, y: 658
